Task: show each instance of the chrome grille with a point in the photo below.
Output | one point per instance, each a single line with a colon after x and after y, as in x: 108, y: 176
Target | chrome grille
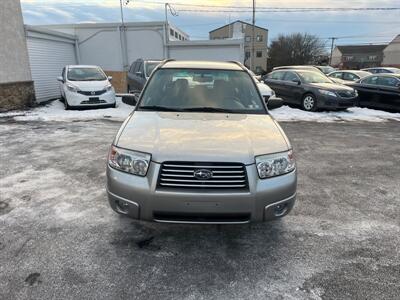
x: 92, y: 93
x: 182, y: 175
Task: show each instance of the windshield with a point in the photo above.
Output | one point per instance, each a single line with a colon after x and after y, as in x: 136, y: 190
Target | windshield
x: 85, y: 74
x: 202, y: 91
x: 313, y: 77
x: 150, y: 66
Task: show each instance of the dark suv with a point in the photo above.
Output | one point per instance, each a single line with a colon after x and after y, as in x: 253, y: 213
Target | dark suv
x: 138, y: 74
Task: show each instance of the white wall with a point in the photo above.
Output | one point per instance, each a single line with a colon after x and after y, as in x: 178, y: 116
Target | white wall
x: 14, y: 62
x: 100, y: 44
x: 146, y: 44
x: 214, y: 50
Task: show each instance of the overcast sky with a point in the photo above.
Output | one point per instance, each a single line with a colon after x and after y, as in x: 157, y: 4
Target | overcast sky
x: 358, y: 27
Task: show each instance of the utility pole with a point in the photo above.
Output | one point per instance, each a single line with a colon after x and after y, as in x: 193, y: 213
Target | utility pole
x: 332, y: 45
x: 252, y: 36
x: 123, y: 39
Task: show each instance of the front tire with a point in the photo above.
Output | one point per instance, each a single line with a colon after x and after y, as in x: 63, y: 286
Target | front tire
x: 309, y: 102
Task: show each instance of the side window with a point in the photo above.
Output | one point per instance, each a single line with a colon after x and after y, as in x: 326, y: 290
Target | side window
x: 350, y: 77
x: 137, y: 66
x: 132, y: 68
x: 336, y: 75
x: 290, y: 76
x: 141, y: 68
x: 277, y: 75
x: 389, y: 81
x: 371, y: 80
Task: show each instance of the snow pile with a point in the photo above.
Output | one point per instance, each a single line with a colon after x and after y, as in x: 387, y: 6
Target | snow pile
x: 286, y: 113
x: 55, y: 112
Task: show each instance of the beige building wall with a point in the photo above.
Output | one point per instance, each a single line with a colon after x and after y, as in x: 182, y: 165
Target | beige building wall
x: 244, y: 30
x: 391, y: 54
x: 16, y: 86
x: 14, y: 61
x: 336, y: 57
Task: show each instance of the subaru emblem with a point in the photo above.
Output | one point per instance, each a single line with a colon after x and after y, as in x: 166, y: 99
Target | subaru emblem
x: 203, y: 174
x: 93, y: 93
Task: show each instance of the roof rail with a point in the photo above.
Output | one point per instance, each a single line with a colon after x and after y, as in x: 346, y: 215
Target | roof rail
x: 238, y: 63
x: 165, y: 61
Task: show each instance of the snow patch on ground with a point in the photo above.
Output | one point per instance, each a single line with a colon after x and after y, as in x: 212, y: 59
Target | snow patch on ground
x: 286, y: 113
x: 55, y: 112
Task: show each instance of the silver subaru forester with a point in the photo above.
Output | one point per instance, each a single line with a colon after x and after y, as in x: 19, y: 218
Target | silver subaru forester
x: 201, y: 147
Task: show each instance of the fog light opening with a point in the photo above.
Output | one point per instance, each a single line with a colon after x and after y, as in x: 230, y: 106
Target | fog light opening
x: 280, y: 209
x: 122, y: 206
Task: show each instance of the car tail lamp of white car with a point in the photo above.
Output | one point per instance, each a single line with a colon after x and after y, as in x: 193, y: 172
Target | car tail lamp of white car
x: 132, y: 162
x: 272, y: 165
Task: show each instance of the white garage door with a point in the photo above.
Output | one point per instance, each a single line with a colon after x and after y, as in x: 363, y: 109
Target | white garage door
x: 47, y: 59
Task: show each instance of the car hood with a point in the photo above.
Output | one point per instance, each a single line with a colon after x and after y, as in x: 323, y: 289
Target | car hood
x: 211, y: 137
x: 90, y: 85
x: 331, y: 86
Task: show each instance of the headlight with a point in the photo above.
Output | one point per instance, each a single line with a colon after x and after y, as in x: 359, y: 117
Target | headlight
x: 327, y: 93
x: 109, y: 87
x: 272, y: 93
x: 129, y: 161
x: 356, y: 93
x: 72, y: 88
x: 275, y: 164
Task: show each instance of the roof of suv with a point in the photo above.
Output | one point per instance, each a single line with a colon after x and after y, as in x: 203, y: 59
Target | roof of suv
x: 192, y: 64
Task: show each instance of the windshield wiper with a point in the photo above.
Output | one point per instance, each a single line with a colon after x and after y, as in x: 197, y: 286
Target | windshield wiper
x: 159, y: 108
x: 209, y: 109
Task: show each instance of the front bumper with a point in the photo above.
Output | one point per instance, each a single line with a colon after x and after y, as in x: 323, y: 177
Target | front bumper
x: 141, y: 198
x: 76, y: 99
x: 335, y: 102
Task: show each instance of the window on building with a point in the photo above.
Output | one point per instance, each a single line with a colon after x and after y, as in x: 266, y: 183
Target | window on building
x: 259, y: 38
x: 373, y: 57
x: 259, y: 54
x: 247, y: 38
x: 180, y: 37
x: 348, y: 58
x: 171, y: 32
x: 246, y: 55
x: 258, y: 70
x: 176, y: 34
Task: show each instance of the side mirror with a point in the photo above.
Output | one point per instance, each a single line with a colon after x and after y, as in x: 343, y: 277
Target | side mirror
x: 109, y: 78
x: 274, y: 103
x: 296, y: 81
x: 60, y: 79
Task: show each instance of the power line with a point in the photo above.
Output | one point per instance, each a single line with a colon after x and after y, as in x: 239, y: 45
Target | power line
x: 268, y: 7
x: 292, y: 10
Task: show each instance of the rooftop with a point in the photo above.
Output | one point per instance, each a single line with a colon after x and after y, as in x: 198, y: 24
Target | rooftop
x: 351, y: 49
x: 240, y: 22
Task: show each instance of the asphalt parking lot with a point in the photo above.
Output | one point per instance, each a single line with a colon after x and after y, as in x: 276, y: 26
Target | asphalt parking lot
x: 60, y: 240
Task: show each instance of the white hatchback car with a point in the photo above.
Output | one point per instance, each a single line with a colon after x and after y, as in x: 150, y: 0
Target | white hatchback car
x: 86, y: 86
